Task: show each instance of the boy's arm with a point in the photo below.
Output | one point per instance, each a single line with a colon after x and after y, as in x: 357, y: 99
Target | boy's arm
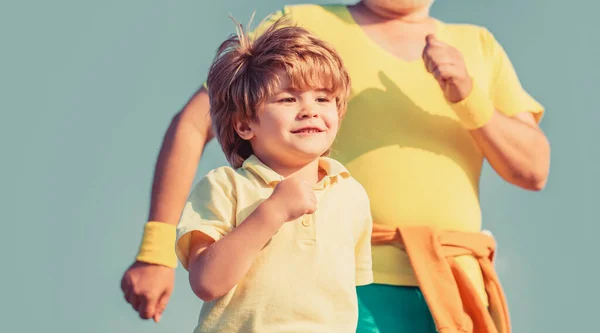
x: 216, y: 267
x: 147, y: 284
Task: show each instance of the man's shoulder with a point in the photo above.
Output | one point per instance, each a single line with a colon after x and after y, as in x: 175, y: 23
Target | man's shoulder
x: 466, y: 30
x: 306, y: 13
x: 461, y: 26
x: 470, y: 37
x: 310, y: 7
x: 309, y: 16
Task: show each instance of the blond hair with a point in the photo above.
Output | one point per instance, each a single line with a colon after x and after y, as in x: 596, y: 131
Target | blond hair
x: 246, y: 72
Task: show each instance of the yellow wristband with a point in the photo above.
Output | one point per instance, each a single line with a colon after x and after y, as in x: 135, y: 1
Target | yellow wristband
x: 475, y: 110
x: 158, y: 244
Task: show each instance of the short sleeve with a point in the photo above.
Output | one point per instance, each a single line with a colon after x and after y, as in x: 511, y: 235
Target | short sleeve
x: 507, y: 93
x: 362, y: 246
x: 210, y: 209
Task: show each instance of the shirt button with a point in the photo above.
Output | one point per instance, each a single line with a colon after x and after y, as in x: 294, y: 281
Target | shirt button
x: 307, y: 221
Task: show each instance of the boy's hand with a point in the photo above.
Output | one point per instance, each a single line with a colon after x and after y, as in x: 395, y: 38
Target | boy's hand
x: 295, y: 198
x: 447, y: 65
x: 147, y: 288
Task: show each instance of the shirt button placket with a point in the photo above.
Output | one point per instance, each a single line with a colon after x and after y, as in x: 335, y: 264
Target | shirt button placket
x: 308, y: 226
x: 307, y: 230
x: 307, y: 220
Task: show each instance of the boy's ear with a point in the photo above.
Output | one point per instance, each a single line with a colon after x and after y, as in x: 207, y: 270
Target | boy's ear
x: 244, y: 130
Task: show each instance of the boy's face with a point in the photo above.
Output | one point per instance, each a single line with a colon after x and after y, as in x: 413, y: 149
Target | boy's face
x: 293, y: 127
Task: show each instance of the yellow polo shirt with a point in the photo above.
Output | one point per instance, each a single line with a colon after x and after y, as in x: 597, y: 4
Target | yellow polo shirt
x: 402, y: 141
x: 304, y: 279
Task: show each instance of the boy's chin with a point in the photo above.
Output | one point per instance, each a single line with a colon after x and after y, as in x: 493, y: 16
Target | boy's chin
x: 307, y: 156
x: 313, y: 153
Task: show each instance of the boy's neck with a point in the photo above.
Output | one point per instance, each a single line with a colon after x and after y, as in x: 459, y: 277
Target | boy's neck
x: 309, y: 172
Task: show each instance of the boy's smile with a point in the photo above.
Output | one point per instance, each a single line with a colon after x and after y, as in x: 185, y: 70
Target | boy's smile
x: 308, y: 130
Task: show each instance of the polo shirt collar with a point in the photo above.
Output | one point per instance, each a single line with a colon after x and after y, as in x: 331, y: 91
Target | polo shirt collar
x: 333, y: 168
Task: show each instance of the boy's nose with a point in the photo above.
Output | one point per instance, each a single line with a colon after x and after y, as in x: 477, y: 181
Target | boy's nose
x: 307, y: 112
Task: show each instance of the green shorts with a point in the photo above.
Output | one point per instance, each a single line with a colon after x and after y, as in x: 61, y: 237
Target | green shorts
x: 392, y: 309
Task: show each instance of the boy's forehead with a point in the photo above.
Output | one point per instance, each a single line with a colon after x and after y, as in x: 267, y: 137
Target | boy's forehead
x: 285, y: 83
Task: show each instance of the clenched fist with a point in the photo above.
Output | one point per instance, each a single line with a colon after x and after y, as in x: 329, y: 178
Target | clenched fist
x: 147, y: 288
x: 448, y: 67
x: 295, y: 198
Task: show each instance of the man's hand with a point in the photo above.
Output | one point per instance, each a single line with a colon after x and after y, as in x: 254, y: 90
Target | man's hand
x: 448, y: 67
x: 147, y: 288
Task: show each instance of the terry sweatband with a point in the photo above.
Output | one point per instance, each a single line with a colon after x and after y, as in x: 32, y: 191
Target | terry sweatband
x: 158, y: 244
x: 475, y: 110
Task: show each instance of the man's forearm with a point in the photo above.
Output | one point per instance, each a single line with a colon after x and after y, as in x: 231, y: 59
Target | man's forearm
x: 219, y: 267
x: 175, y: 170
x: 174, y: 173
x: 516, y: 149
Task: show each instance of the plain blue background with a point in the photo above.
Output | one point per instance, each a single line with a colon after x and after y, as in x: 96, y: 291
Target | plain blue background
x: 88, y: 88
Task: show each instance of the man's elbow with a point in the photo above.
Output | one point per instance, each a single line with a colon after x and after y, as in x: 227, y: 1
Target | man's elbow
x: 194, y: 119
x: 539, y: 167
x: 538, y: 184
x: 181, y: 121
x: 535, y: 180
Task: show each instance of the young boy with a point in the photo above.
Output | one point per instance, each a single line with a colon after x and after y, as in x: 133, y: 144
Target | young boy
x: 278, y: 241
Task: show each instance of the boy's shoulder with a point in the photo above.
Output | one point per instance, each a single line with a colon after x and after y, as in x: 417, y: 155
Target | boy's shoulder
x: 359, y: 193
x: 222, y: 173
x: 351, y: 198
x: 222, y: 179
x: 226, y: 177
x: 349, y: 186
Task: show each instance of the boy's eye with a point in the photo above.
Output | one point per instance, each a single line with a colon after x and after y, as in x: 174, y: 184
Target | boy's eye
x: 287, y: 100
x: 323, y: 99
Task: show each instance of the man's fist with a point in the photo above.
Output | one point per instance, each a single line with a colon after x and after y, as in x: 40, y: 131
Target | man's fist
x: 448, y: 67
x: 147, y: 288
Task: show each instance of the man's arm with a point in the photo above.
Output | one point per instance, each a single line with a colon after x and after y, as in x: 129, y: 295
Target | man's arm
x: 516, y: 148
x: 183, y: 144
x: 148, y: 287
x: 182, y: 148
x: 511, y: 141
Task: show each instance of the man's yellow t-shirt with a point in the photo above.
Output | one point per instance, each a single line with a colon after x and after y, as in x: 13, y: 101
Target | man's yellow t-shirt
x: 401, y: 140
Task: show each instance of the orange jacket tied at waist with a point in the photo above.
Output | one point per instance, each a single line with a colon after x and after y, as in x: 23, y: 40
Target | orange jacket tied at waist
x: 449, y: 294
